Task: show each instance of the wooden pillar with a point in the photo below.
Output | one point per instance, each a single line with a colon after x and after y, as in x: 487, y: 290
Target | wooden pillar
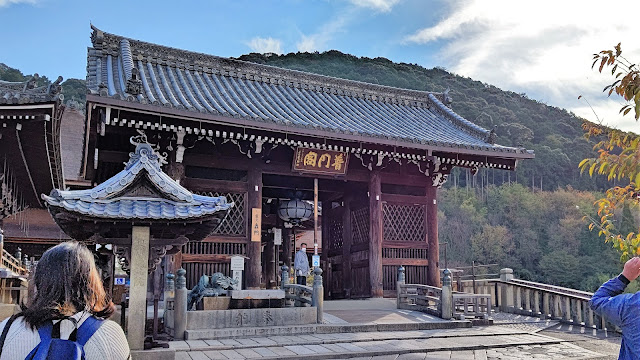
x: 270, y: 264
x: 375, y: 234
x: 433, y: 271
x: 253, y: 269
x: 347, y: 239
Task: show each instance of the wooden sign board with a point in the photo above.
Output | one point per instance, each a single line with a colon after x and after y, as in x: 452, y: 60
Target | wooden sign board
x: 256, y: 224
x: 316, y: 161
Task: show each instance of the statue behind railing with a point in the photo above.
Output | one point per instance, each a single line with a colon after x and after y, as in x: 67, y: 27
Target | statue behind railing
x: 217, y: 285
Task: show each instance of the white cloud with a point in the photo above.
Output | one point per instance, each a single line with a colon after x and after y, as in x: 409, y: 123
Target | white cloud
x: 4, y: 3
x: 378, y: 5
x: 265, y: 45
x: 319, y: 41
x: 543, y: 48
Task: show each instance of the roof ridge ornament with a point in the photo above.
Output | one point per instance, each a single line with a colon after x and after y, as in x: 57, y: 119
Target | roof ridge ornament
x: 145, y: 152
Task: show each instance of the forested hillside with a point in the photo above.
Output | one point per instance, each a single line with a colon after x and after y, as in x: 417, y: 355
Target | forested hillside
x: 496, y: 216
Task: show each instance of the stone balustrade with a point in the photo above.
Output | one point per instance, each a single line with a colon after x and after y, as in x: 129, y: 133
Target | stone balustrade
x: 546, y: 301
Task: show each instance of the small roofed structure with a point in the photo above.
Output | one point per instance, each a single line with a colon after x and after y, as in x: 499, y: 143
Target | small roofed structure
x: 144, y: 214
x: 143, y: 194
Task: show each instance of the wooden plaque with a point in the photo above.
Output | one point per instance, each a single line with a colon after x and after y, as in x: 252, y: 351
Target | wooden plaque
x: 256, y: 224
x: 316, y: 161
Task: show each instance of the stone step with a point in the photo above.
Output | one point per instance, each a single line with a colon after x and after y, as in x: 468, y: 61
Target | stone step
x: 337, y: 338
x: 206, y: 334
x: 403, y: 343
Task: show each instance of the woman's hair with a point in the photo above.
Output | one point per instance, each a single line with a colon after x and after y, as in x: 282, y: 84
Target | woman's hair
x: 64, y: 282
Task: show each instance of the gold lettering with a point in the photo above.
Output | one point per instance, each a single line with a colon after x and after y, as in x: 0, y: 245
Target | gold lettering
x: 310, y: 159
x: 326, y: 157
x: 338, y: 161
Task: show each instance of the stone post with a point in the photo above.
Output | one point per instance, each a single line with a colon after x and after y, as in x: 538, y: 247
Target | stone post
x: 317, y: 299
x: 506, y: 290
x: 138, y: 289
x: 284, y: 282
x: 285, y: 277
x: 446, y: 301
x: 545, y: 314
x: 18, y: 256
x: 401, y: 281
x: 169, y: 292
x: 536, y: 303
x: 180, y: 305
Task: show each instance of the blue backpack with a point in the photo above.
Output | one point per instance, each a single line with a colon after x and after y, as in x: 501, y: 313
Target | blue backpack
x: 52, y: 347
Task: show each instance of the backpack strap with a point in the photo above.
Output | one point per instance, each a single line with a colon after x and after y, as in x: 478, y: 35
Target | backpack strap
x: 87, y: 329
x: 45, y: 332
x: 5, y: 331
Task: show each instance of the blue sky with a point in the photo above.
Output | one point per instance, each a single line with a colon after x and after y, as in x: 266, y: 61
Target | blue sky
x: 542, y: 48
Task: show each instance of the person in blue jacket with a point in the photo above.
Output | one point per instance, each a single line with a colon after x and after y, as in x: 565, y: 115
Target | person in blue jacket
x: 621, y: 309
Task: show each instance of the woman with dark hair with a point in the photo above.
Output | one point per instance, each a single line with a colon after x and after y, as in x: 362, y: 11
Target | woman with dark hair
x: 65, y: 288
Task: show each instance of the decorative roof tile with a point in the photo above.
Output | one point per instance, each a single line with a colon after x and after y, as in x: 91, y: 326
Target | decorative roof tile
x: 126, y: 195
x: 27, y: 92
x: 232, y: 88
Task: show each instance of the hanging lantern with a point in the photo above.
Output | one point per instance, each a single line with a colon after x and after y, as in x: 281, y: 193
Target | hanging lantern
x: 295, y: 211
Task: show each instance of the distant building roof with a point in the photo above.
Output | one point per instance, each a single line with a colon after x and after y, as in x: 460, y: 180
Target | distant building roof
x: 30, y: 131
x: 193, y: 83
x: 27, y: 92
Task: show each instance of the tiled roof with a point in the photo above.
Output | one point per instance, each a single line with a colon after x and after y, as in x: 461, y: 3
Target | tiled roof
x: 135, y: 71
x: 27, y: 92
x: 114, y: 198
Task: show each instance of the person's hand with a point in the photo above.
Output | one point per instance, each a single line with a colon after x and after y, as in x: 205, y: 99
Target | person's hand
x: 632, y: 269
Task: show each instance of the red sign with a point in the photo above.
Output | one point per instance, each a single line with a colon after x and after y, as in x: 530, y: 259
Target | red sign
x: 316, y: 161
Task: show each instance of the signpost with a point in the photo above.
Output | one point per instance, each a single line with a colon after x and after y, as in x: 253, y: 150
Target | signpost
x: 237, y: 266
x: 315, y: 260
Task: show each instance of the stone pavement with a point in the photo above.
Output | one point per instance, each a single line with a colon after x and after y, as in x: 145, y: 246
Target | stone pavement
x: 372, y: 311
x: 493, y: 342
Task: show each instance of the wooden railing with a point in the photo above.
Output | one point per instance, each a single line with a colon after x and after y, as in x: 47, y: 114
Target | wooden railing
x: 12, y: 264
x: 547, y: 301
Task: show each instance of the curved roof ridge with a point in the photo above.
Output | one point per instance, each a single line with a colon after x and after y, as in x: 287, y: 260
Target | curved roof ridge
x: 192, y: 60
x: 458, y: 120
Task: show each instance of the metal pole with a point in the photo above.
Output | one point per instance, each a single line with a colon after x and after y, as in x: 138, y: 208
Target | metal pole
x: 473, y: 275
x: 315, y: 216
